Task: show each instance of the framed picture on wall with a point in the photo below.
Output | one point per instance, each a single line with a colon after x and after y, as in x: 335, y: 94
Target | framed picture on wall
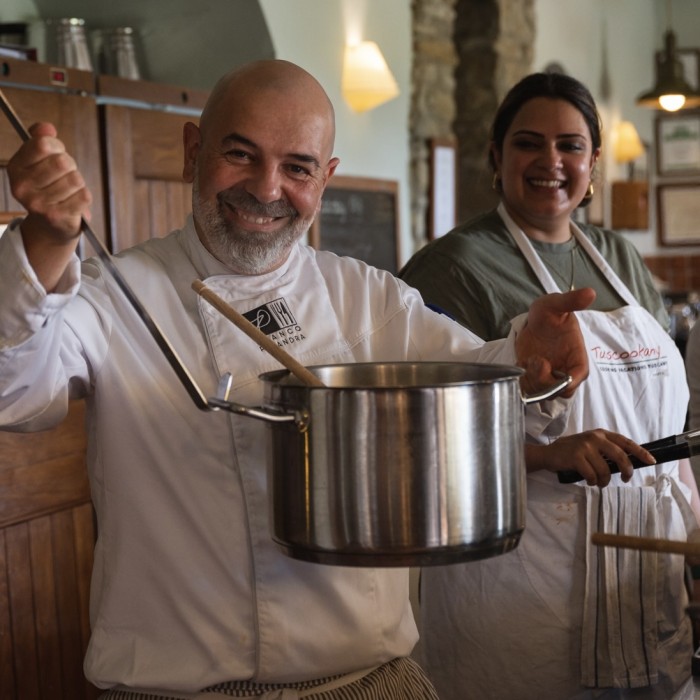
x: 678, y: 143
x: 443, y: 187
x: 678, y: 211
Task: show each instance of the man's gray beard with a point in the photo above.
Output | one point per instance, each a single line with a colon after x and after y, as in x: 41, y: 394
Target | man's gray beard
x: 245, y: 252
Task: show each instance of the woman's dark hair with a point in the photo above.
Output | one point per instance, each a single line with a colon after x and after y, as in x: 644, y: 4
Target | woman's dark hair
x: 554, y: 85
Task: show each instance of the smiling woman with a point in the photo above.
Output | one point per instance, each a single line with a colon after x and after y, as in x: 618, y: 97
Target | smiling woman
x: 537, y: 601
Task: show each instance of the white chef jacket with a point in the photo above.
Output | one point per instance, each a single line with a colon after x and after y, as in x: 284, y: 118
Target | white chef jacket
x: 188, y: 589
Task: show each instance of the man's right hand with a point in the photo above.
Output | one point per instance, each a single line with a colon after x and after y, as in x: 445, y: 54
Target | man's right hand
x: 46, y: 181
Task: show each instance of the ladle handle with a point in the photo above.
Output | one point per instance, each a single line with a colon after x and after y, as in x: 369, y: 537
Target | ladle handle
x: 295, y: 367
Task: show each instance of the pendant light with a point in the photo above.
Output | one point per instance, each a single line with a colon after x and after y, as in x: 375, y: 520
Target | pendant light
x: 671, y: 91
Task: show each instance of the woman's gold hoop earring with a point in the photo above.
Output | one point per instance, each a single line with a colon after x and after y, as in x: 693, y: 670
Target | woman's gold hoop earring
x: 589, y: 192
x: 496, y: 183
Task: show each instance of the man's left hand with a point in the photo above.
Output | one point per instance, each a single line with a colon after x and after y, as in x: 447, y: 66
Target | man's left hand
x: 551, y: 341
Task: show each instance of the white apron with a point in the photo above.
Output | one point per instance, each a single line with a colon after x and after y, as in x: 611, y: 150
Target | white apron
x: 549, y: 589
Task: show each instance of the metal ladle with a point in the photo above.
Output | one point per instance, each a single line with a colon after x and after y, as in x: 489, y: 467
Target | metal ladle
x: 199, y: 398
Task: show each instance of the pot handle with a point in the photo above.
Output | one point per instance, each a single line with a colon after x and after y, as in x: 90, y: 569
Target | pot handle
x: 301, y: 418
x: 551, y: 392
x: 221, y: 402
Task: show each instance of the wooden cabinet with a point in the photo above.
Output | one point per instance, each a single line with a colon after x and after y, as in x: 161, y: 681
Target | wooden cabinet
x: 126, y: 138
x: 125, y: 135
x: 65, y: 97
x: 47, y: 536
x: 142, y: 130
x: 630, y: 205
x: 47, y: 531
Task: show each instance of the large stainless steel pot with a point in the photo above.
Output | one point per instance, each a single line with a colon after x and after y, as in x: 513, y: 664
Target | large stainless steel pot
x: 398, y: 464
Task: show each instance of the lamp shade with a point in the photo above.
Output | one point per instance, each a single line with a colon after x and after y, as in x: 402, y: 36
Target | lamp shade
x: 627, y: 145
x: 671, y: 91
x: 367, y: 80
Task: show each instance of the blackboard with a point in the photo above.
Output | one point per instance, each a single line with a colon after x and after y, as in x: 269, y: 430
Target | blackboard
x: 359, y: 218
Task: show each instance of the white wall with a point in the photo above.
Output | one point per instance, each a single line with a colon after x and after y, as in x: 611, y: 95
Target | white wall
x: 612, y: 43
x: 17, y: 10
x: 312, y: 33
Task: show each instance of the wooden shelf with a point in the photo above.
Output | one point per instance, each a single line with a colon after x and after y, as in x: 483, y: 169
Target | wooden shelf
x: 156, y: 94
x: 14, y: 71
x: 19, y: 73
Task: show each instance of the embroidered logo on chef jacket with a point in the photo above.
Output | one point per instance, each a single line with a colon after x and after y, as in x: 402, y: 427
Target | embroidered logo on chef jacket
x: 276, y: 320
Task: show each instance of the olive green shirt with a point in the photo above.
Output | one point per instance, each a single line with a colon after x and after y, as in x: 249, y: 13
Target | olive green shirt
x: 477, y: 274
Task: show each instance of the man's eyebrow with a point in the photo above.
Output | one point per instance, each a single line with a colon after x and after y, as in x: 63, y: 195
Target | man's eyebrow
x: 234, y: 137
x: 238, y: 138
x: 305, y: 158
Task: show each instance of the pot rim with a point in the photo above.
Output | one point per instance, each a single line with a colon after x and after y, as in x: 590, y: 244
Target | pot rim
x: 490, y: 373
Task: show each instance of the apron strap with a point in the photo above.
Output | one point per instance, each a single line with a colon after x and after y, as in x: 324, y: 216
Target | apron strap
x: 541, y: 271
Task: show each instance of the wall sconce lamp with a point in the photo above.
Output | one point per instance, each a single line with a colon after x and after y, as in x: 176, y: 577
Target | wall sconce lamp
x: 367, y: 81
x: 671, y: 90
x: 627, y: 146
x: 629, y: 198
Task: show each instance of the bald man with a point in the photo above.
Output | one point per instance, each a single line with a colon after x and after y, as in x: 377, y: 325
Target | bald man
x: 190, y: 596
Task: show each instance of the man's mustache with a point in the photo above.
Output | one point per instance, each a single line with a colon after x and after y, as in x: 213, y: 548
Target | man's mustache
x: 245, y: 201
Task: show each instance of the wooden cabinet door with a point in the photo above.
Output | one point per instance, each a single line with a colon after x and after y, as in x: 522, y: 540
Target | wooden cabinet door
x: 47, y: 531
x: 47, y: 537
x: 144, y: 160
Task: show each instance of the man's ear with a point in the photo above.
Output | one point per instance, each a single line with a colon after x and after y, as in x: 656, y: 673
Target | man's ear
x: 191, y: 141
x: 330, y: 169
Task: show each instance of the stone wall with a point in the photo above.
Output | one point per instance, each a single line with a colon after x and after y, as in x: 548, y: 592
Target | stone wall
x: 467, y: 54
x: 432, y: 102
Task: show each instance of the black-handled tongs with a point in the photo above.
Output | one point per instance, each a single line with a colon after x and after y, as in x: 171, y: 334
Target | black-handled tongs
x: 665, y: 449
